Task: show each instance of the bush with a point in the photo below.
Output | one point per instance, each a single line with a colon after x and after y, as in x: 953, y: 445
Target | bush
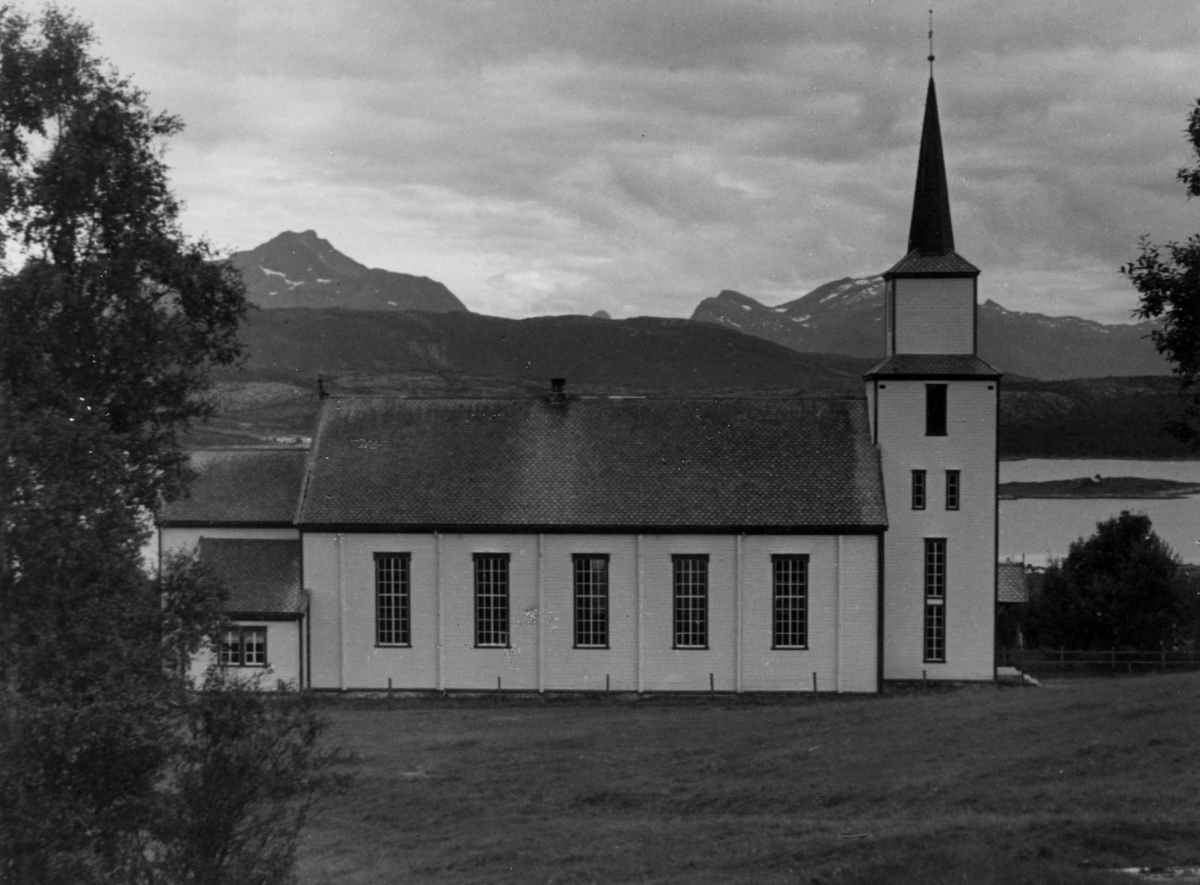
x: 1121, y: 588
x: 249, y: 769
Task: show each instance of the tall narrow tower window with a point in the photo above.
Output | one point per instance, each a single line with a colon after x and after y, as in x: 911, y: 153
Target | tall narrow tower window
x: 935, y: 409
x: 935, y: 600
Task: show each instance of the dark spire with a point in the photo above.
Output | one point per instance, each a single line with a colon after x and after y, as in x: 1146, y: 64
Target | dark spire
x: 931, y: 232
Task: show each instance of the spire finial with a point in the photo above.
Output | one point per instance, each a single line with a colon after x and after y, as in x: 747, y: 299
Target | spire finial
x: 931, y: 43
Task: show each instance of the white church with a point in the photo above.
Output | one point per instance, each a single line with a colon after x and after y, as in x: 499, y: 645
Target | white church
x: 587, y: 543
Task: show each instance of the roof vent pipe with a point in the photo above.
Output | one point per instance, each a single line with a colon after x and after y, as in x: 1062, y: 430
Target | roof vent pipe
x: 558, y: 390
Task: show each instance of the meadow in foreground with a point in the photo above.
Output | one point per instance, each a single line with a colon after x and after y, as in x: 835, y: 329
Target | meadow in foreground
x: 983, y: 784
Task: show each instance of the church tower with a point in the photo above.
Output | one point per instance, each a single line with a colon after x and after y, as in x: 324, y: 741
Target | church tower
x: 934, y: 405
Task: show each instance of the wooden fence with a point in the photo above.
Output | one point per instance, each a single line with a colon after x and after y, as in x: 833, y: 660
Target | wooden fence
x: 1113, y: 660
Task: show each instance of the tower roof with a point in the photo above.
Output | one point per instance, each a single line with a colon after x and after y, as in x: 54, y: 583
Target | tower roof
x: 931, y: 232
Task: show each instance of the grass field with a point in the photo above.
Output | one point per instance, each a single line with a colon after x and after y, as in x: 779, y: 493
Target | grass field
x: 981, y: 784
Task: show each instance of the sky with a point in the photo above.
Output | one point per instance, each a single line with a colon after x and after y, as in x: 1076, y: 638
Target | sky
x: 569, y: 156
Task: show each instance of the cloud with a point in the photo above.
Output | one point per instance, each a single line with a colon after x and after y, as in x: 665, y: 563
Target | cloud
x: 639, y: 157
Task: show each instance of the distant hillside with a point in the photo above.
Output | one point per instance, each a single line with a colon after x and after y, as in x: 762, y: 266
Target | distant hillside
x: 644, y: 353
x: 302, y: 270
x: 846, y: 317
x: 1097, y: 418
x: 1090, y: 418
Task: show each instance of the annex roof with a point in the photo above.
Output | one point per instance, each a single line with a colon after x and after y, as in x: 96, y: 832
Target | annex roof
x: 932, y: 365
x: 240, y: 486
x: 263, y: 576
x: 601, y: 464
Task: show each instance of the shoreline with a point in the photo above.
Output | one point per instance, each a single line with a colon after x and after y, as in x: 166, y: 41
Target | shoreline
x: 1084, y: 487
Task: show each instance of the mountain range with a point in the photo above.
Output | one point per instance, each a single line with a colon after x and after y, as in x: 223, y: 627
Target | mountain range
x: 303, y: 270
x: 842, y: 317
x: 846, y: 317
x: 431, y: 345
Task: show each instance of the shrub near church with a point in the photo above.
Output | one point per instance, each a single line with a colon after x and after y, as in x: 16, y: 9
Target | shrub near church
x: 1122, y: 588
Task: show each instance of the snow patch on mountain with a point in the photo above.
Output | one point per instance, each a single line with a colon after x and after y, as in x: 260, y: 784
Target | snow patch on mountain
x: 291, y: 284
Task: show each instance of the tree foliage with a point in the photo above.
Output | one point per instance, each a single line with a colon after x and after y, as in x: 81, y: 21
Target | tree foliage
x: 111, y: 320
x: 1168, y: 282
x: 1121, y: 588
x: 249, y: 770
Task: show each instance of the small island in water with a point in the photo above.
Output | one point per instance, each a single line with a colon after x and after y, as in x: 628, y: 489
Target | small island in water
x: 1100, y: 487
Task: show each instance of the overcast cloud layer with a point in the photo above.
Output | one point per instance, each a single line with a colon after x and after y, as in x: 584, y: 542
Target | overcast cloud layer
x: 540, y: 156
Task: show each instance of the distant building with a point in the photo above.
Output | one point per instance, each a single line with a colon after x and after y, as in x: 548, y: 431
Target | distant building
x: 574, y: 543
x: 1012, y: 599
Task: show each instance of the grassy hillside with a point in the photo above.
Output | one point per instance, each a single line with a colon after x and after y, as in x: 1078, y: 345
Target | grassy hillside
x: 982, y: 785
x: 460, y: 354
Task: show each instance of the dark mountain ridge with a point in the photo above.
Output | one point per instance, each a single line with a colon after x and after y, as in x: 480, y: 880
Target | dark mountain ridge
x: 303, y: 270
x: 646, y: 353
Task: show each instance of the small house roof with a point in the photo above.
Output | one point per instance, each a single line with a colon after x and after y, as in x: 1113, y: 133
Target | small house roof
x: 595, y: 463
x: 263, y: 576
x: 240, y: 486
x: 1011, y: 585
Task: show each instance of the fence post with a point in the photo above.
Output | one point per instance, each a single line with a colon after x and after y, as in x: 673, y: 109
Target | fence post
x: 1112, y: 658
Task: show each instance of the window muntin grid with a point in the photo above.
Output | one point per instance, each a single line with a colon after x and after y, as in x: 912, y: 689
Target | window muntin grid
x: 491, y: 600
x: 393, y: 604
x: 935, y: 599
x: 690, y: 594
x: 953, y: 489
x: 789, y: 601
x: 918, y: 490
x: 591, y: 600
x: 243, y: 647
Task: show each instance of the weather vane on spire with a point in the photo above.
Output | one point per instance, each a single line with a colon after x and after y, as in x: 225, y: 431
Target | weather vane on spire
x: 931, y: 43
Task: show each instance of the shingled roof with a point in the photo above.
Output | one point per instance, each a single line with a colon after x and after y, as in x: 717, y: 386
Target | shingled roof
x: 1011, y: 585
x: 242, y: 487
x: 918, y: 265
x: 263, y: 576
x: 932, y: 365
x: 600, y: 464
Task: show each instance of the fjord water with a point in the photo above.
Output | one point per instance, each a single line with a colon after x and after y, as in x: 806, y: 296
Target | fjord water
x: 1040, y: 528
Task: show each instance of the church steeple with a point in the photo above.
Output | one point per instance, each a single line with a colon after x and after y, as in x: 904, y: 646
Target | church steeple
x: 930, y: 232
x: 931, y: 290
